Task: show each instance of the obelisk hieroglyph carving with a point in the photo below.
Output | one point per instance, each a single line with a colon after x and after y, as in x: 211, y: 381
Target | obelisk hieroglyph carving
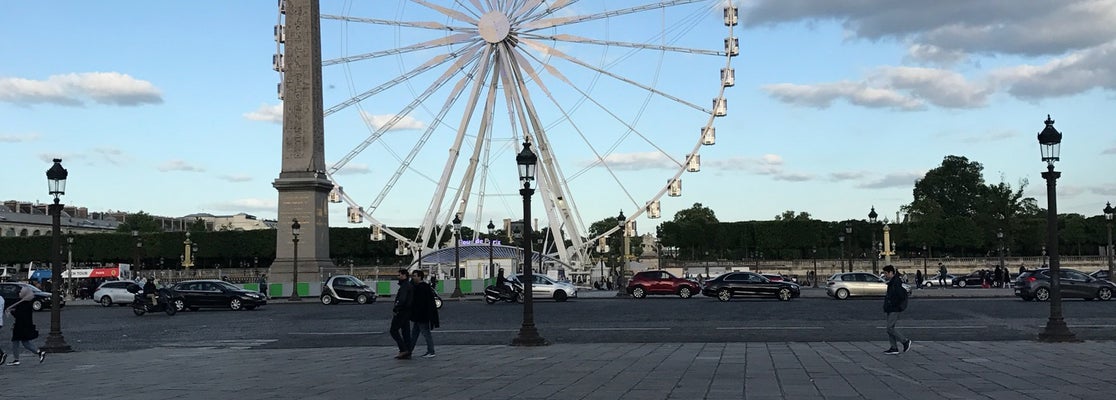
x: 302, y: 184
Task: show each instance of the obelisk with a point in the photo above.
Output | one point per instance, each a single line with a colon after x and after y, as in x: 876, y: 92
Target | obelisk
x: 302, y: 183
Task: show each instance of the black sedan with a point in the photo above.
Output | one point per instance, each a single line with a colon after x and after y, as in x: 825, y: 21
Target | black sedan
x: 217, y: 294
x: 748, y: 284
x: 973, y: 279
x: 10, y: 292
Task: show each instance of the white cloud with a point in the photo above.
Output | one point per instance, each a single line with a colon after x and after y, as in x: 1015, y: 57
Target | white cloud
x: 940, y: 87
x: 74, y: 89
x: 248, y: 205
x: 111, y: 155
x: 1075, y: 73
x: 1106, y: 190
x: 267, y: 113
x: 822, y: 95
x: 989, y: 137
x: 767, y: 164
x: 638, y: 161
x: 895, y: 179
x: 1110, y: 150
x: 405, y: 122
x: 236, y: 178
x: 31, y: 137
x: 49, y: 157
x: 846, y: 176
x: 934, y: 55
x: 901, y: 88
x: 179, y: 165
x: 354, y: 169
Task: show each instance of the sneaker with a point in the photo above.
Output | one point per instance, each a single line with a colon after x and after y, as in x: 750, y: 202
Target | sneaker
x: 14, y: 362
x: 428, y: 355
x: 42, y: 356
x: 891, y: 351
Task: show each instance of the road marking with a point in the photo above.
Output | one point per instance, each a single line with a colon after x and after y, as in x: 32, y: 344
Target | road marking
x: 476, y: 330
x: 742, y: 328
x: 938, y: 327
x: 1084, y: 326
x: 333, y: 333
x: 619, y: 329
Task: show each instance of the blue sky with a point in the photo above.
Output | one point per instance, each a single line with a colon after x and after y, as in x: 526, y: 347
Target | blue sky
x: 171, y: 108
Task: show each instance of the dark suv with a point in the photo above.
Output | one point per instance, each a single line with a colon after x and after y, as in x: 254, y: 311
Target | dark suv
x: 661, y: 282
x: 1035, y: 285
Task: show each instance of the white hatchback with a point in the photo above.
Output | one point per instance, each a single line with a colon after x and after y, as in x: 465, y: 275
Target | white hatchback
x: 114, y: 292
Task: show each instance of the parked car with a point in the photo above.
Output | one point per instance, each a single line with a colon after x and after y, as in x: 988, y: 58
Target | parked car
x: 114, y: 292
x: 544, y: 287
x: 848, y: 284
x: 661, y: 282
x: 749, y: 284
x: 1035, y: 285
x: 933, y: 280
x: 972, y: 279
x: 215, y: 293
x: 10, y: 292
x: 339, y: 288
x: 1101, y: 274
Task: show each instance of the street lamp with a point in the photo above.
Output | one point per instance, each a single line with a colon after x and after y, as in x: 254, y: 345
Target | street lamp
x: 848, y: 233
x: 876, y: 255
x: 457, y: 257
x: 814, y: 255
x: 1049, y: 142
x: 621, y: 286
x: 528, y: 335
x: 69, y: 266
x: 925, y: 255
x: 491, y: 234
x: 136, y: 252
x: 1109, y: 212
x: 56, y: 182
x: 1000, y: 239
x: 294, y: 232
x: 841, y: 238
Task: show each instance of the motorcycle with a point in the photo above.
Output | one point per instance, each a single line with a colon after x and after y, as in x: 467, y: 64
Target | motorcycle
x: 141, y: 304
x: 512, y: 292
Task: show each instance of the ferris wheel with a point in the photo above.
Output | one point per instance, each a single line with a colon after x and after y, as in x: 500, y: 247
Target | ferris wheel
x: 428, y: 102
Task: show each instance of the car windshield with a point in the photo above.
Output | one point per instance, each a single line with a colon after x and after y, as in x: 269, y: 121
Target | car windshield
x: 226, y: 286
x: 357, y: 281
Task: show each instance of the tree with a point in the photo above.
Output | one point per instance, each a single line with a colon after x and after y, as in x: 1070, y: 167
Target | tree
x: 198, y: 225
x: 789, y: 215
x: 956, y: 187
x: 139, y: 221
x: 695, y: 231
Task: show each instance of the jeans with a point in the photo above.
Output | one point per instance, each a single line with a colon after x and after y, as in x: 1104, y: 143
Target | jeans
x: 893, y: 335
x: 422, y: 328
x: 401, y: 331
x: 26, y: 344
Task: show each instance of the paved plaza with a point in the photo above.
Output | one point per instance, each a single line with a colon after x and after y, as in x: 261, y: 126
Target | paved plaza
x: 774, y: 370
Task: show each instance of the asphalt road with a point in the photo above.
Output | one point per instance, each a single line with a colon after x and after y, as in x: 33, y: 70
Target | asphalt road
x: 665, y: 319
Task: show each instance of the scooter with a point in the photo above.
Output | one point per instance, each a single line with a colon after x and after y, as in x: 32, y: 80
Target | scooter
x: 512, y: 293
x: 142, y: 304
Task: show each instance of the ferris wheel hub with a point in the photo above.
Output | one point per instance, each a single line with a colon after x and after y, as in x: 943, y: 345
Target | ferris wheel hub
x: 494, y: 26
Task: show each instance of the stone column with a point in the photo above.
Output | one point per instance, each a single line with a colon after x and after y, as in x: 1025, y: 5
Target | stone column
x: 302, y: 184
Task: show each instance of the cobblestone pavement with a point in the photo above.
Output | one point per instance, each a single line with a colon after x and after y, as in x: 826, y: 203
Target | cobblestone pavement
x: 774, y: 370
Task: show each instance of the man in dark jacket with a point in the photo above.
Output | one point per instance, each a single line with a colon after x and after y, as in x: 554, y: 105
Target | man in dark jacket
x: 423, y: 313
x: 894, y: 303
x: 401, y: 316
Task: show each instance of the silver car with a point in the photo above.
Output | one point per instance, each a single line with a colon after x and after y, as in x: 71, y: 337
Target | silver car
x: 844, y: 285
x: 114, y: 292
x: 543, y: 287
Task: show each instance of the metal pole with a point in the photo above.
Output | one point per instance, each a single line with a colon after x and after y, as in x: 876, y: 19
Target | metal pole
x: 842, y: 238
x: 456, y: 265
x: 814, y: 255
x: 1108, y: 250
x: 294, y: 289
x: 875, y: 253
x: 528, y: 334
x: 55, y: 343
x: 1056, y: 329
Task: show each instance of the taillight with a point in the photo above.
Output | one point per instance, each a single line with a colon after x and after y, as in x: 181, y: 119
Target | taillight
x: 1031, y: 279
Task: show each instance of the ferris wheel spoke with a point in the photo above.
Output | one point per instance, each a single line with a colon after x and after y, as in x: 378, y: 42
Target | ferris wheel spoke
x: 457, y: 15
x: 559, y: 21
x: 408, y: 24
x: 464, y: 191
x: 440, y: 42
x: 438, y: 83
x: 468, y: 52
x: 640, y: 46
x: 543, y: 48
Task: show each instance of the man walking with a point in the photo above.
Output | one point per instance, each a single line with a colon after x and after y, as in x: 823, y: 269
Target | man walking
x: 942, y: 275
x: 401, y: 316
x: 894, y: 303
x: 423, y: 313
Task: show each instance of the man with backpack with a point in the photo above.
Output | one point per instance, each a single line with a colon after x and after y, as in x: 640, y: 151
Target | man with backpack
x: 895, y: 302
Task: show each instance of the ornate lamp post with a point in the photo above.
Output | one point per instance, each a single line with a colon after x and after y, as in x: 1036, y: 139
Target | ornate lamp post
x: 457, y: 257
x: 187, y: 252
x: 1049, y: 142
x: 136, y: 253
x: 814, y: 255
x: 1109, y: 212
x: 848, y: 234
x: 925, y: 255
x: 528, y: 335
x: 1000, y: 240
x: 56, y: 182
x: 621, y: 286
x: 69, y: 266
x: 875, y: 254
x: 491, y: 235
x: 841, y: 238
x: 294, y: 232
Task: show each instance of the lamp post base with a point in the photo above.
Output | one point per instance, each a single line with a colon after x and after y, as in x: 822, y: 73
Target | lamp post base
x: 529, y: 337
x: 55, y: 343
x: 457, y: 293
x: 294, y: 297
x: 1056, y: 331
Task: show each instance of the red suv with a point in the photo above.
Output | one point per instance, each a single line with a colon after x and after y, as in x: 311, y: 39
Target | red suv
x: 661, y: 282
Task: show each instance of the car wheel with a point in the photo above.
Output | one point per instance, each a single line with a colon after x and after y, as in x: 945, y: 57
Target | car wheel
x: 928, y: 284
x: 106, y: 301
x: 685, y: 292
x: 327, y: 299
x: 235, y: 304
x: 560, y: 295
x: 362, y: 299
x: 1104, y: 294
x: 724, y: 295
x: 842, y: 294
x: 438, y: 302
x: 487, y: 299
x: 961, y: 283
x: 37, y: 305
x: 639, y: 293
x: 180, y: 305
x: 784, y: 294
x: 1042, y: 294
x: 138, y: 311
